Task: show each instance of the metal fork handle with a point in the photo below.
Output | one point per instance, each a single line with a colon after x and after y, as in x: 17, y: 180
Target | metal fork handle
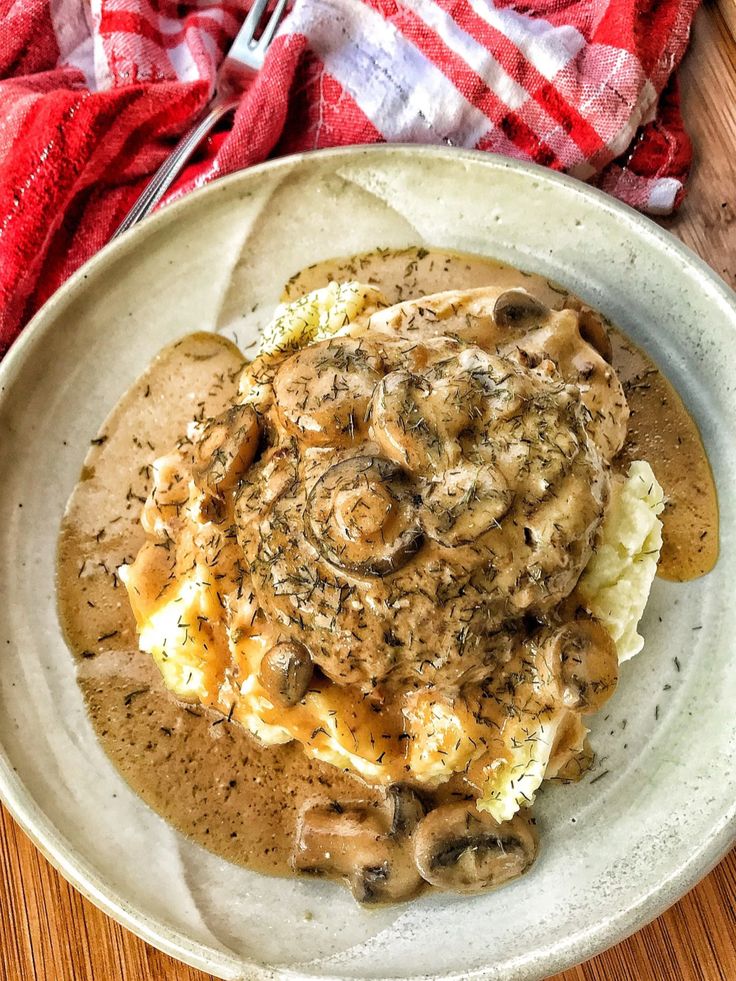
x: 175, y: 162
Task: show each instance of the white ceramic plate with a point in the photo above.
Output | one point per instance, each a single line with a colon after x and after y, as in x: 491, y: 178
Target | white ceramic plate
x: 614, y: 853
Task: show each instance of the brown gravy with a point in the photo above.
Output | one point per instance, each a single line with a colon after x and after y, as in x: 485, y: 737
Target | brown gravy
x: 208, y: 777
x: 662, y: 431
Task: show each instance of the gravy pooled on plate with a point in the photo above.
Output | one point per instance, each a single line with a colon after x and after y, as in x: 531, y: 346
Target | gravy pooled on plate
x: 360, y: 620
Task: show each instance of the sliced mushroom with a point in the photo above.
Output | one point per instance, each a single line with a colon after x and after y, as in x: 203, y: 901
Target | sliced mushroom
x: 323, y: 391
x: 578, y: 347
x: 484, y: 390
x: 593, y: 331
x: 362, y: 518
x: 518, y: 308
x: 354, y: 842
x: 463, y: 503
x: 583, y: 660
x: 407, y: 809
x: 226, y: 449
x: 286, y: 671
x: 461, y: 849
x: 402, y: 422
x: 425, y: 422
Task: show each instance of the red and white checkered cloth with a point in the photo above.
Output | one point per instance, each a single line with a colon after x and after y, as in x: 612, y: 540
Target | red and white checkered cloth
x: 95, y: 94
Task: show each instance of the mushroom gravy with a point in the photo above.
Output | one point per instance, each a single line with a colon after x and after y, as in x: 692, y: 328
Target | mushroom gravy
x: 660, y: 430
x: 206, y: 775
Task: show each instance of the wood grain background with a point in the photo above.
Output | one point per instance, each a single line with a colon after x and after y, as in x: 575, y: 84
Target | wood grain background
x: 49, y: 932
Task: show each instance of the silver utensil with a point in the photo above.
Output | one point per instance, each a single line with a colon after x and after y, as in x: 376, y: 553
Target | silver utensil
x: 243, y: 61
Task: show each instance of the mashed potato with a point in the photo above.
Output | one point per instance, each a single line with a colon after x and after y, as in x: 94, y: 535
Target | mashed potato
x: 318, y: 315
x: 443, y: 737
x: 616, y: 582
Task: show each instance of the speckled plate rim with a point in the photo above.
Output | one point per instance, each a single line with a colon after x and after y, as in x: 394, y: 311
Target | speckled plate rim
x: 568, y: 951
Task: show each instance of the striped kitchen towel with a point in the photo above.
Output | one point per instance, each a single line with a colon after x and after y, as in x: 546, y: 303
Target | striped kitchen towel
x: 94, y: 94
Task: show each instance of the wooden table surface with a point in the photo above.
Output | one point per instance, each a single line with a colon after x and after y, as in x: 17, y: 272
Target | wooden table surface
x: 48, y: 932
